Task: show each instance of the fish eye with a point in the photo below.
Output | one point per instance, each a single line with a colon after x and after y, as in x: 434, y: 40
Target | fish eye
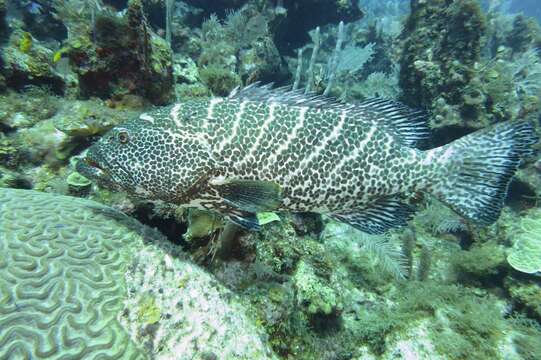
x: 123, y: 137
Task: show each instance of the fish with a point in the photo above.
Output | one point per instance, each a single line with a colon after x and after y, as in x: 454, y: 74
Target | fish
x: 265, y: 149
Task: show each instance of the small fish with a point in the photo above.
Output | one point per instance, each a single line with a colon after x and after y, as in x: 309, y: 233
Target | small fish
x: 264, y: 150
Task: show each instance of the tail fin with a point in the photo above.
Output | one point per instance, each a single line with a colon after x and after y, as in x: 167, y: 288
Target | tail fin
x: 479, y: 168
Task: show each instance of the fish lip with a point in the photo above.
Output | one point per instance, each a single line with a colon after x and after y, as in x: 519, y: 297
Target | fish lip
x: 92, y: 169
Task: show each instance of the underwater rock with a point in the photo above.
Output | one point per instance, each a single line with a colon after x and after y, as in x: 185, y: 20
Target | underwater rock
x: 26, y: 62
x: 87, y: 118
x: 27, y: 108
x: 184, y: 91
x: 313, y: 294
x: 443, y: 42
x: 525, y: 34
x: 3, y: 25
x: 261, y: 62
x: 40, y: 143
x: 525, y: 292
x: 79, y: 121
x: 185, y: 70
x: 10, y: 155
x: 127, y: 57
x: 133, y: 294
x: 13, y: 179
x: 42, y: 21
x: 220, y: 81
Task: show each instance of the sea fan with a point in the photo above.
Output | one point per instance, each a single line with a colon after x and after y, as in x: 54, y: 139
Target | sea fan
x: 353, y: 58
x: 381, y: 249
x: 388, y: 258
x: 382, y: 85
x: 527, y: 73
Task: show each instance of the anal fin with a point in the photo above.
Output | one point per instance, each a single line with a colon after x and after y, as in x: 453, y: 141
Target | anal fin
x: 377, y: 217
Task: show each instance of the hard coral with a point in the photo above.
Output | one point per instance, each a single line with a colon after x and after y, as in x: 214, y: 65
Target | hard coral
x: 72, y: 272
x: 49, y: 275
x: 442, y: 44
x: 126, y: 57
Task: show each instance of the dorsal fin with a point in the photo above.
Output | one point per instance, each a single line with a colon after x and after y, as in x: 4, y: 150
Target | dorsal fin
x: 407, y: 125
x: 283, y: 95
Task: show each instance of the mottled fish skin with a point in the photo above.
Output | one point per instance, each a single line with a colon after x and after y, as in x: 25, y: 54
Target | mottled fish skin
x: 349, y: 161
x: 323, y: 160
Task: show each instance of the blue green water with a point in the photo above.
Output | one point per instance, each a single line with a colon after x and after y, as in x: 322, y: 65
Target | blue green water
x: 372, y: 193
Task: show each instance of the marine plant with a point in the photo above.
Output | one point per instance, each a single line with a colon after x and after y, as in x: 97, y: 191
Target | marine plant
x: 382, y: 250
x: 25, y: 43
x: 525, y: 292
x: 481, y: 261
x: 464, y: 325
x: 439, y: 219
x: 527, y: 338
x: 220, y: 81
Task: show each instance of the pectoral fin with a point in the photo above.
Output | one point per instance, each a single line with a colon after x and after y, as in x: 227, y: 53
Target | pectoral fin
x: 252, y: 196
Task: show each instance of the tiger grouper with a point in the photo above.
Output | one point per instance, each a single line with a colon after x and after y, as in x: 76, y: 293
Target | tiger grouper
x: 261, y: 150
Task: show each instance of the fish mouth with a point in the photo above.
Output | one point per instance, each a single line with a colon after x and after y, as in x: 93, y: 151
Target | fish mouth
x: 92, y: 169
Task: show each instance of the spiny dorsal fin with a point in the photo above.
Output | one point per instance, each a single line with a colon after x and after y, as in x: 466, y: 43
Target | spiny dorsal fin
x: 407, y: 125
x: 283, y: 95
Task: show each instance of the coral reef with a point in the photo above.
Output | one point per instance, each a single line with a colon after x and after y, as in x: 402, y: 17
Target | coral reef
x: 122, y: 56
x: 443, y: 43
x: 50, y: 275
x: 25, y: 61
x: 66, y: 259
x: 525, y: 255
x: 79, y: 279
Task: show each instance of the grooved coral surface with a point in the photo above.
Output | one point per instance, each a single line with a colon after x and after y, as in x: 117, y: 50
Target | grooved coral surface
x: 525, y: 256
x: 62, y: 264
x: 79, y: 280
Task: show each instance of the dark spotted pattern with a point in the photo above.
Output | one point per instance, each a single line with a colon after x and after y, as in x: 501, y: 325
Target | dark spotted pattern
x: 326, y: 157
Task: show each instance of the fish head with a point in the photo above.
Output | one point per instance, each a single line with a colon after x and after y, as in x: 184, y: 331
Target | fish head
x: 149, y: 160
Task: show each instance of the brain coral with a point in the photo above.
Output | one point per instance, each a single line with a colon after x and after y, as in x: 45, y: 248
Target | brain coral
x: 61, y: 279
x: 74, y: 284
